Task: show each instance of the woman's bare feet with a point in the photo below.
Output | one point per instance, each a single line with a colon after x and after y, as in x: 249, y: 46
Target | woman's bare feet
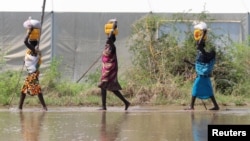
x: 127, y: 105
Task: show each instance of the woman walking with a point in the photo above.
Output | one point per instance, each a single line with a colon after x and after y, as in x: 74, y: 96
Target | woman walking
x: 32, y: 61
x: 202, y: 87
x: 110, y: 68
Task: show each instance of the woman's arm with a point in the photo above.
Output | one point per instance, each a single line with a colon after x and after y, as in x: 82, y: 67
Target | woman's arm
x: 26, y: 42
x: 188, y: 62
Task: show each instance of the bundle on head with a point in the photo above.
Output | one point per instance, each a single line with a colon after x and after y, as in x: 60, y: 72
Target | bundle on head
x: 35, y: 25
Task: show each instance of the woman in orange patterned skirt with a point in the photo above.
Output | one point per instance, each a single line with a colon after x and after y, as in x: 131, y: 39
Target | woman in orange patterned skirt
x: 32, y: 62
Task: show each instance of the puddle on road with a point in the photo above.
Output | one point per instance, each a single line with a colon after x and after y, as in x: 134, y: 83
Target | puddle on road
x: 138, y: 124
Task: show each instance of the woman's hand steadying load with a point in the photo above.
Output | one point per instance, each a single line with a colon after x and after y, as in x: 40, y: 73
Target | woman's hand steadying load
x: 30, y: 31
x: 115, y: 25
x: 201, y: 45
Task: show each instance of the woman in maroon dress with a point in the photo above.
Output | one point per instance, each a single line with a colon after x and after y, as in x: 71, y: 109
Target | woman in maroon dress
x: 110, y: 70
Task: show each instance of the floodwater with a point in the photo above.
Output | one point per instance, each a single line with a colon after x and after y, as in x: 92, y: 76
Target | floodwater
x: 139, y: 123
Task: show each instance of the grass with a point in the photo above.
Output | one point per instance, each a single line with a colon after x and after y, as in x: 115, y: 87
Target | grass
x: 93, y: 98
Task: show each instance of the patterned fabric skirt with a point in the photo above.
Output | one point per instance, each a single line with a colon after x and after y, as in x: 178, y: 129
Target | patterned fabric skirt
x: 111, y: 86
x: 31, y: 84
x: 109, y: 79
x: 202, y: 88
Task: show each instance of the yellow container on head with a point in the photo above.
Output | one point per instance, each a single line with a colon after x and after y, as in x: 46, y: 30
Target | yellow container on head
x: 108, y: 27
x: 199, y: 28
x: 35, y: 34
x: 198, y: 34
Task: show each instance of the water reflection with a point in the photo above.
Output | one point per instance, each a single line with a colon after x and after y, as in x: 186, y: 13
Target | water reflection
x: 110, y: 131
x: 200, y: 123
x: 138, y: 124
x: 31, y: 123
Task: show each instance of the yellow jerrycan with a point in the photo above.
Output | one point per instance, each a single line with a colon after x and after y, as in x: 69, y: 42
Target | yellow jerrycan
x: 108, y: 28
x: 35, y: 34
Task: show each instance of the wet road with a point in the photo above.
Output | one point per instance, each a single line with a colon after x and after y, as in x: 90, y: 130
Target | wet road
x: 139, y: 123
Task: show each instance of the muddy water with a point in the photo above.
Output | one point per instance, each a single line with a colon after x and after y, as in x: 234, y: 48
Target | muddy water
x: 138, y: 124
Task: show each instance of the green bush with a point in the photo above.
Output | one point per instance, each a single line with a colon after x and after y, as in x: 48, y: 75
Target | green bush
x: 157, y: 59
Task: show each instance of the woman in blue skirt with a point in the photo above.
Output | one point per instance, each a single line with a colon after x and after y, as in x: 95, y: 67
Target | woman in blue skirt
x: 204, y: 64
